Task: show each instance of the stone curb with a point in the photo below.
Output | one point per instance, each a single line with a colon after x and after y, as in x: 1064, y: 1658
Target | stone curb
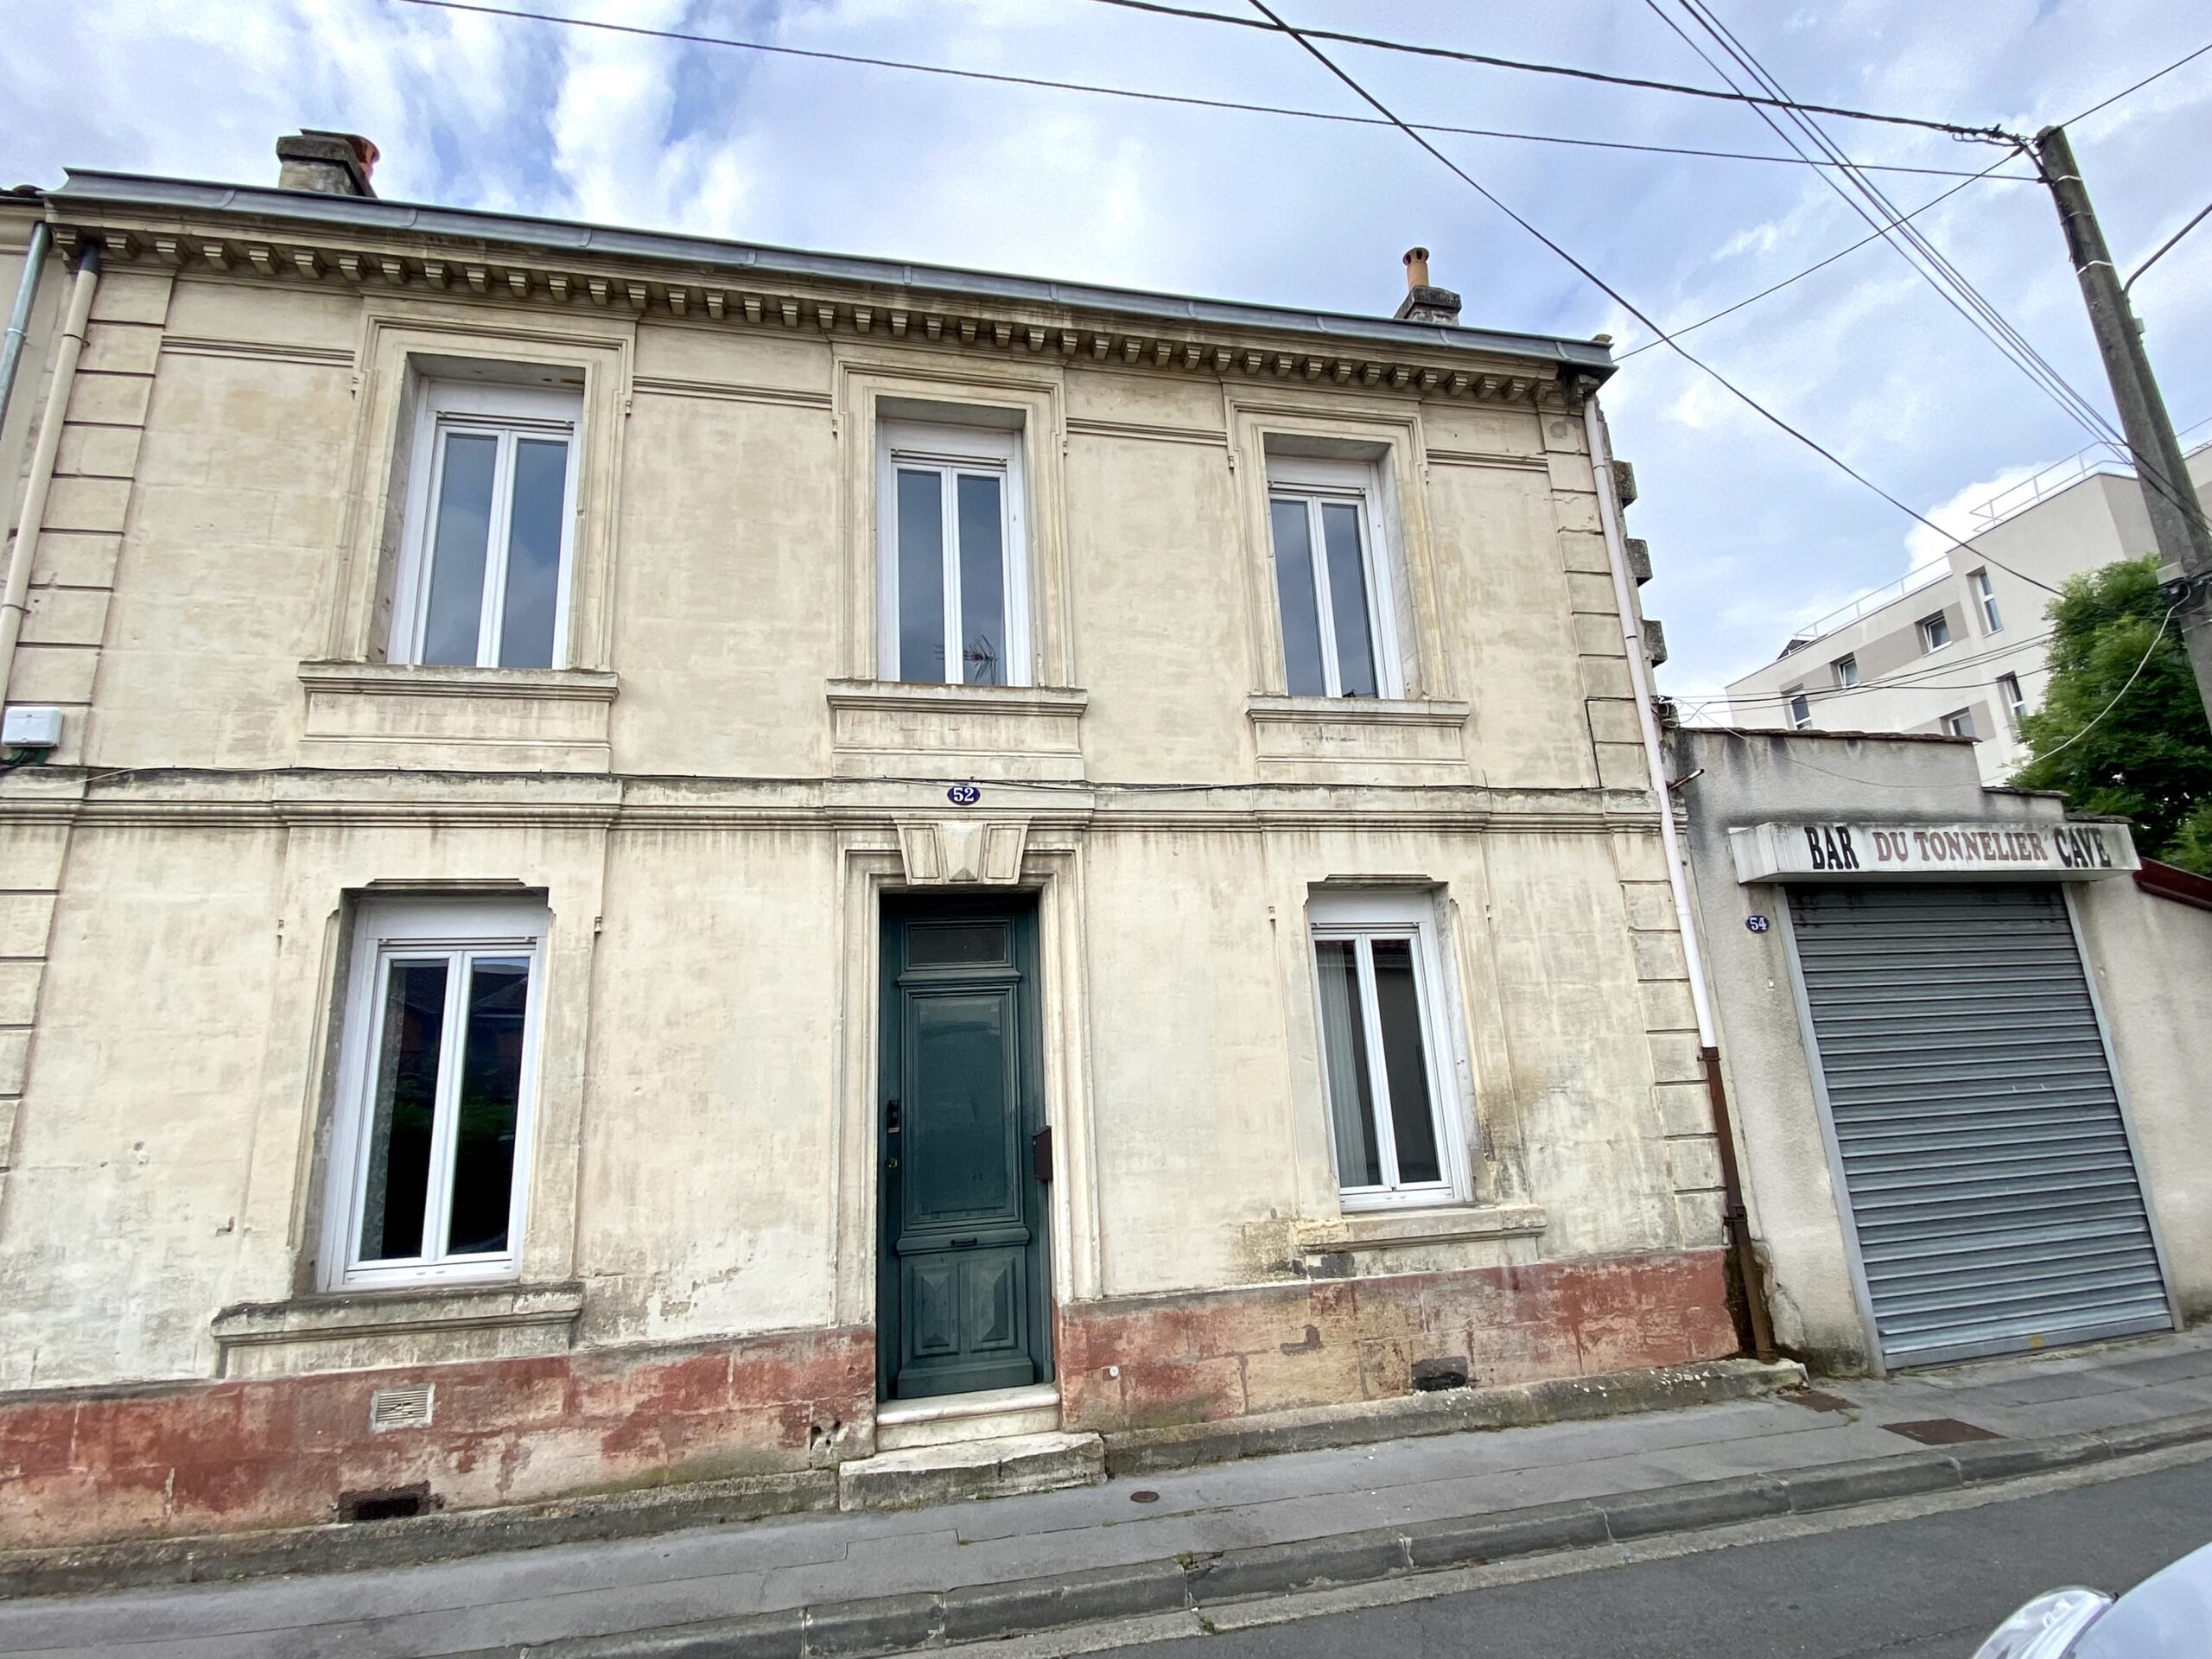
x: 902, y: 1624
x: 336, y: 1548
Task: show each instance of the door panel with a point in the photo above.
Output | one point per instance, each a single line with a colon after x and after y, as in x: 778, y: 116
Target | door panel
x: 963, y: 1302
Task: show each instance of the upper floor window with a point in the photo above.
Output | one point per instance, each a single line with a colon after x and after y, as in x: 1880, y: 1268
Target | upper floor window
x: 437, y: 1071
x: 1846, y: 669
x: 953, y: 583
x: 1935, y: 631
x: 2016, y: 701
x: 1384, y: 1039
x: 1339, y: 632
x: 1985, y: 596
x: 1801, y: 710
x: 485, y: 568
x: 1960, y: 724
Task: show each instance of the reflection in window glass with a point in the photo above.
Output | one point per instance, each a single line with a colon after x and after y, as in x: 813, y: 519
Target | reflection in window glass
x: 460, y: 546
x: 533, y: 583
x: 1344, y: 1053
x: 1397, y: 1004
x: 490, y: 1098
x: 1348, y: 599
x: 921, y: 576
x: 404, y: 1109
x: 1302, y: 615
x: 983, y: 580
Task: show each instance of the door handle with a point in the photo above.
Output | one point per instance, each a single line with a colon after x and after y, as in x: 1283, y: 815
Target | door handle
x: 964, y: 1243
x: 1040, y: 1154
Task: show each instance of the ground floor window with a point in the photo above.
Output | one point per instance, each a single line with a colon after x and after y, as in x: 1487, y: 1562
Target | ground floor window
x: 437, y: 1075
x: 1385, y: 1049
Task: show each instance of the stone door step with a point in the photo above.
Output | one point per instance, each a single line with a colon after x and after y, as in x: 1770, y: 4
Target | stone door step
x: 995, y: 1468
x: 991, y: 1416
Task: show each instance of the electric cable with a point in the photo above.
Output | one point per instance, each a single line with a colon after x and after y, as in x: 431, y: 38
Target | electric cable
x: 1986, y: 135
x: 2195, y: 219
x: 1095, y: 90
x: 1630, y: 306
x: 2149, y: 652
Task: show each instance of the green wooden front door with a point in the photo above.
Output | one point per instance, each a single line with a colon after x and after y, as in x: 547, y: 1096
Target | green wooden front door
x: 963, y: 1288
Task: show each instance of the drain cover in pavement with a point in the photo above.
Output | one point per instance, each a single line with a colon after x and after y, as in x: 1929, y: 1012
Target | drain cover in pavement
x: 1813, y: 1400
x: 1942, y: 1431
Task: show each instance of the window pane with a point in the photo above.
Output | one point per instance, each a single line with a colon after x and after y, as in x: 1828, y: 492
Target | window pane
x: 1301, y: 620
x: 461, y: 530
x: 402, y: 1109
x: 534, y: 553
x: 1348, y: 599
x: 1405, y: 1063
x: 1344, y: 1058
x: 491, y: 1094
x: 952, y: 944
x: 921, y: 577
x: 982, y: 581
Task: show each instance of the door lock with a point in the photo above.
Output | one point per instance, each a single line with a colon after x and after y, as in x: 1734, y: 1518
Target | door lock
x: 1040, y: 1154
x: 891, y: 1117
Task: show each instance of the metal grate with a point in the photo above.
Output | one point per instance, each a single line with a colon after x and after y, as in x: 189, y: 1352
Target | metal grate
x: 391, y: 1408
x: 1991, y: 1184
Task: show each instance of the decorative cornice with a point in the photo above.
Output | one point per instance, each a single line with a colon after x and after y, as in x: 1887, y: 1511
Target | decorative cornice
x: 249, y: 236
x: 402, y: 680
x: 1445, y: 713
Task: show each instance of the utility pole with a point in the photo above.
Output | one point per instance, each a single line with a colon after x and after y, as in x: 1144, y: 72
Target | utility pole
x: 2185, y: 540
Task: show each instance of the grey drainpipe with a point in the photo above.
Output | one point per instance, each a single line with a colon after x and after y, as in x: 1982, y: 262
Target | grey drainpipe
x: 11, y: 353
x: 17, y: 592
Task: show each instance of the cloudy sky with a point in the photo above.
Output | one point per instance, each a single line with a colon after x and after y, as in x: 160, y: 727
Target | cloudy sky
x: 1750, y: 532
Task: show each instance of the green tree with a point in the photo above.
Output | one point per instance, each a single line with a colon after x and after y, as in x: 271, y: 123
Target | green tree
x: 2148, y: 755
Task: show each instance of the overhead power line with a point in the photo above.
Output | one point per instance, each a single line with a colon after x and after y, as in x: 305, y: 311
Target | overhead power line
x: 1624, y: 302
x: 1190, y: 100
x: 1993, y: 135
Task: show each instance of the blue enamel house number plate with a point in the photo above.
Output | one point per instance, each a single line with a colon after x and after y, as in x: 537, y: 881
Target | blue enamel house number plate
x: 963, y: 794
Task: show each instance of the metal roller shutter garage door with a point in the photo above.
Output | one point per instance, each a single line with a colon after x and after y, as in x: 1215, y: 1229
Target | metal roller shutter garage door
x: 1989, y: 1174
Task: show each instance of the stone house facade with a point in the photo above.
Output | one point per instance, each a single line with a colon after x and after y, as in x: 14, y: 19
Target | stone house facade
x: 669, y: 859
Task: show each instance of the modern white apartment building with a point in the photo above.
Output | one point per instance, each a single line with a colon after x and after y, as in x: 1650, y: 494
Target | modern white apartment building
x: 1959, y: 646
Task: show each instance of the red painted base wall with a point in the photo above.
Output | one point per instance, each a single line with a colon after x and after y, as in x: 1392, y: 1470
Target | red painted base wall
x: 258, y: 1453
x: 1147, y: 1363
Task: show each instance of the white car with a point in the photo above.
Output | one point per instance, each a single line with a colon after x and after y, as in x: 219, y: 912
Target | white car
x: 2168, y: 1616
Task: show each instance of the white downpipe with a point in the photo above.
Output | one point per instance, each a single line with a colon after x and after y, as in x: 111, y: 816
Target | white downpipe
x: 1639, y: 672
x: 33, y: 517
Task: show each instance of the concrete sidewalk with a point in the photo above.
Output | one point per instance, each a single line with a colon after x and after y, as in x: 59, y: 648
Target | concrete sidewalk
x: 859, y: 1584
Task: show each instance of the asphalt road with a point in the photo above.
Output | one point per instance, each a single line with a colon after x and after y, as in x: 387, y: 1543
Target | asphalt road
x: 1930, y: 1588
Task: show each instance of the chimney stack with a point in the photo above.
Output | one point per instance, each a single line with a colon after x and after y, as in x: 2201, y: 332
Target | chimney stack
x: 1424, y: 303
x: 335, y: 163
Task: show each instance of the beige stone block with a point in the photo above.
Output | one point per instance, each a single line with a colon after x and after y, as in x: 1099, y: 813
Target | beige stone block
x: 121, y: 348
x: 110, y: 399
x: 9, y: 1106
x: 1594, y: 594
x: 98, y: 451
x: 65, y: 616
x: 1693, y: 1163
x: 1684, y: 1108
x: 1667, y: 1005
x: 1606, y: 676
x: 1698, y: 1214
x: 24, y: 919
x: 53, y: 674
x: 14, y: 1058
x: 1623, y: 765
x: 1576, y: 511
x: 71, y: 558
x: 1564, y: 434
x: 1650, y: 904
x: 1642, y: 858
x: 30, y: 858
x: 1585, y: 550
x: 1599, y: 636
x: 186, y: 514
x: 19, y: 982
x: 1570, y: 472
x: 1614, y: 721
x: 131, y: 296
x: 1658, y: 956
x: 1275, y: 1380
x: 1675, y: 1059
x: 94, y: 504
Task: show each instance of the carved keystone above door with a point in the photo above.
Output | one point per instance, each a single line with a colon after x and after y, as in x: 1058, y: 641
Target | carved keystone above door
x: 942, y: 851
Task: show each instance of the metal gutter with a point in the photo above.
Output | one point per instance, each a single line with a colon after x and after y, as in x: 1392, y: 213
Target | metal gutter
x: 96, y: 192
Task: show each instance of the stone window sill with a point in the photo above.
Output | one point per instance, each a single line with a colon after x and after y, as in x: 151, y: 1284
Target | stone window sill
x: 1359, y: 739
x: 890, y: 729
x: 358, y: 1330
x: 389, y: 714
x: 1382, y: 1229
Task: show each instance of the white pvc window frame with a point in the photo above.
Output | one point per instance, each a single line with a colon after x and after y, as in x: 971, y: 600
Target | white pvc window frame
x: 1992, y: 620
x: 1930, y: 627
x: 2016, y: 700
x: 952, y: 452
x: 1846, y: 669
x: 508, y: 414
x: 1314, y: 482
x: 1959, y: 723
x: 1365, y: 917
x: 387, y: 932
x: 1801, y: 709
